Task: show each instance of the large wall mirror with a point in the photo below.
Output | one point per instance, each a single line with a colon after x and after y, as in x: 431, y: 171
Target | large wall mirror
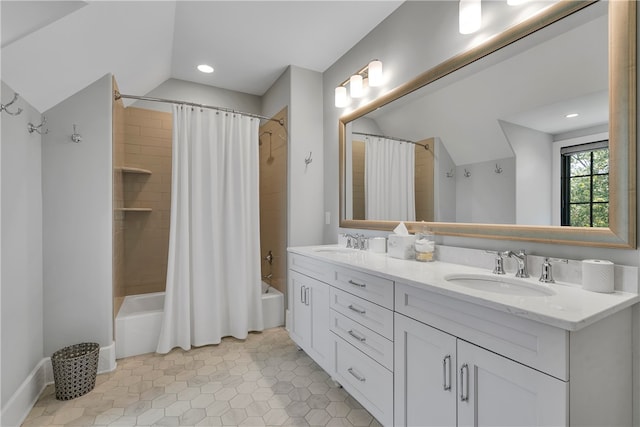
x: 488, y: 143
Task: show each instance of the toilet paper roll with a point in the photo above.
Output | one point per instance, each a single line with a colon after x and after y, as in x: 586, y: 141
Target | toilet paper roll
x: 597, y: 275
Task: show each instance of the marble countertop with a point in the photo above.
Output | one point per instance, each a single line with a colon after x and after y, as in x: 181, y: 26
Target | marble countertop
x: 570, y: 307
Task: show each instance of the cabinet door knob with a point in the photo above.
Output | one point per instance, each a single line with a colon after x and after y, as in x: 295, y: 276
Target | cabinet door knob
x: 464, y: 383
x: 446, y: 373
x: 356, y: 376
x: 356, y: 336
x: 360, y: 285
x: 357, y: 310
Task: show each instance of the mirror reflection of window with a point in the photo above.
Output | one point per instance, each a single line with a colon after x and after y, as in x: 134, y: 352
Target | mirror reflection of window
x: 585, y: 185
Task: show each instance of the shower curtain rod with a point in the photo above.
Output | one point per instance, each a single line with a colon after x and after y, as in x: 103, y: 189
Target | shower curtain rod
x: 393, y: 138
x: 117, y: 95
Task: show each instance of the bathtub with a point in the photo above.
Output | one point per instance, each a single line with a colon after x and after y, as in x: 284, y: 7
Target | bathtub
x: 139, y: 320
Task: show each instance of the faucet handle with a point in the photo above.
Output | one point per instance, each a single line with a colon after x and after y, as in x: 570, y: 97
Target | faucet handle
x: 546, y: 275
x: 498, y: 267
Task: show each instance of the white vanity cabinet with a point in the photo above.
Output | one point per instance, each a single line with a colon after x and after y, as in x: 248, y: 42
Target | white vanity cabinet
x: 415, y: 351
x: 457, y: 363
x: 444, y: 381
x: 309, y: 307
x: 362, y: 324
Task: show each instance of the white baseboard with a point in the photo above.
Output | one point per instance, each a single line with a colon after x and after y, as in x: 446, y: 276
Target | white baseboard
x: 19, y: 405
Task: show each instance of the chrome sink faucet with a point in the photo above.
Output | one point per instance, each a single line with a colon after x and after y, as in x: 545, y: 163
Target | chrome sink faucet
x: 521, y: 258
x: 546, y: 276
x: 498, y: 267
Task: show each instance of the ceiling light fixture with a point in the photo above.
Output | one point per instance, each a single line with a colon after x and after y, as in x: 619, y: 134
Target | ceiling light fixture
x: 470, y: 16
x: 205, y: 68
x: 369, y: 75
x: 516, y: 2
x: 571, y: 115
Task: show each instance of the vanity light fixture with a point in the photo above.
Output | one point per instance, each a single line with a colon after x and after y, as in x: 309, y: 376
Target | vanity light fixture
x: 572, y: 115
x: 470, y: 16
x: 516, y: 2
x: 356, y: 89
x: 369, y: 75
x: 208, y: 69
x: 375, y: 73
x: 341, y: 97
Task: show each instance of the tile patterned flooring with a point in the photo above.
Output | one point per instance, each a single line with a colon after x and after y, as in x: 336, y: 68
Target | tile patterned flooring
x: 261, y: 381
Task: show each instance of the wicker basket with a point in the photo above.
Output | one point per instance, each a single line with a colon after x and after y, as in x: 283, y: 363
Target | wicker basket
x: 74, y: 370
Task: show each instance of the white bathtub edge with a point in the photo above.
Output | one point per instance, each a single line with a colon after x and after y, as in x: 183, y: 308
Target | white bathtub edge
x: 20, y: 404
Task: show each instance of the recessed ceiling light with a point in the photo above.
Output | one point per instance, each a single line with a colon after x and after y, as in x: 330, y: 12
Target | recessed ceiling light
x: 571, y: 115
x: 205, y: 68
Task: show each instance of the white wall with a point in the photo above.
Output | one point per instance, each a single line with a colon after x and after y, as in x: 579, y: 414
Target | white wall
x: 22, y: 292
x: 486, y: 196
x: 77, y: 219
x: 306, y: 216
x: 416, y: 37
x: 533, y: 159
x: 181, y: 90
x: 444, y: 203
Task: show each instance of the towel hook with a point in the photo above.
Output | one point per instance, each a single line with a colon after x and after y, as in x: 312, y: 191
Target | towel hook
x: 467, y: 174
x: 75, y: 136
x: 450, y: 174
x: 308, y: 159
x: 5, y: 107
x: 38, y: 129
x: 498, y: 169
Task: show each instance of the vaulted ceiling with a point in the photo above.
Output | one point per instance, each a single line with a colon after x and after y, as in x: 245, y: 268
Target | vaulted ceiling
x: 52, y: 49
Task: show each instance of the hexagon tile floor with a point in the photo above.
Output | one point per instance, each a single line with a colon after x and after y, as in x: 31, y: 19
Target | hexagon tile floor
x: 261, y: 381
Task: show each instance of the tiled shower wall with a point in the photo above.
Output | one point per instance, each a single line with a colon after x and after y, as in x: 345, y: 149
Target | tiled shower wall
x: 118, y: 202
x: 146, y: 238
x: 273, y: 200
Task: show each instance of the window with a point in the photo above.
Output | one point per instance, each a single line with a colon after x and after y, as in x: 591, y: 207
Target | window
x: 585, y: 185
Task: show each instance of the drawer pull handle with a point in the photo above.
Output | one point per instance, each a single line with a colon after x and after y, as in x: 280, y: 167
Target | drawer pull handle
x: 357, y: 310
x: 446, y: 373
x: 360, y: 285
x: 302, y: 294
x: 356, y: 376
x: 464, y: 383
x: 306, y: 296
x: 356, y: 336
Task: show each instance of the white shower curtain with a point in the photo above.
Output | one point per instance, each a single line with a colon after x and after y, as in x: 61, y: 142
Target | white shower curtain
x: 389, y: 180
x: 213, y: 274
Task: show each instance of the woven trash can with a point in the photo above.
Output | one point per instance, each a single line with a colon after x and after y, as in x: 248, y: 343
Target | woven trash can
x: 74, y: 370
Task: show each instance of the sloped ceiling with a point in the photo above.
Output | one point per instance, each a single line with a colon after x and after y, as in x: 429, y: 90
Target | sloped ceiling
x: 534, y: 88
x: 57, y: 48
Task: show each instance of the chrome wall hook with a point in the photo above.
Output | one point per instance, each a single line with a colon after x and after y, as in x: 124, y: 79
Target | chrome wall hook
x: 498, y: 169
x: 5, y: 107
x: 38, y: 129
x: 450, y: 174
x: 75, y: 136
x: 467, y: 174
x: 308, y: 159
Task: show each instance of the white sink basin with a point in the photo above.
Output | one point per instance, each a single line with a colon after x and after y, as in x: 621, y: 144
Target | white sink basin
x: 500, y: 285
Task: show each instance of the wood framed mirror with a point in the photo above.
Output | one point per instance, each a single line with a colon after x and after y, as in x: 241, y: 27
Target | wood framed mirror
x: 617, y: 230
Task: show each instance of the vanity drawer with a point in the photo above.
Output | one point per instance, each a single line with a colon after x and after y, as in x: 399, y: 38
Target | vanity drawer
x: 534, y: 344
x: 372, y: 288
x: 370, y: 383
x: 372, y: 344
x: 371, y: 315
x: 311, y: 267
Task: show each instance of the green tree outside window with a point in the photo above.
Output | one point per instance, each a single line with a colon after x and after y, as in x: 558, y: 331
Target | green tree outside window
x: 585, y: 185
